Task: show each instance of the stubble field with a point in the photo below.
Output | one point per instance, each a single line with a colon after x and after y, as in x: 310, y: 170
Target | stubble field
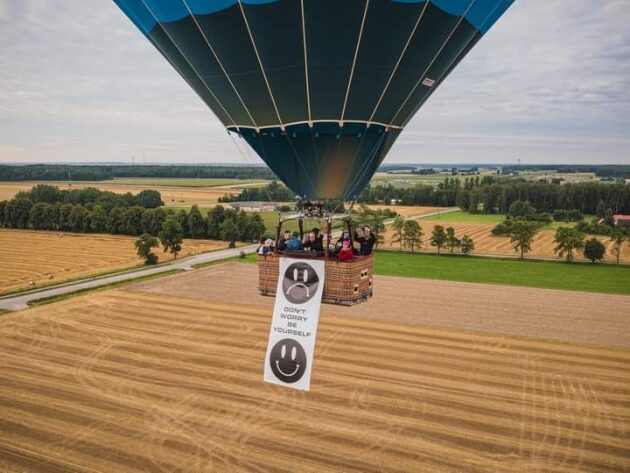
x: 488, y: 244
x: 45, y: 258
x: 144, y: 379
x: 172, y: 195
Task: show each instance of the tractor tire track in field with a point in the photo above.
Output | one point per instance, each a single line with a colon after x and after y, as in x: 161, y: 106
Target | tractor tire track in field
x: 135, y: 381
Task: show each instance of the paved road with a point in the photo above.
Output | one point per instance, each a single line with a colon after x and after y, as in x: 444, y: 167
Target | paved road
x: 20, y: 301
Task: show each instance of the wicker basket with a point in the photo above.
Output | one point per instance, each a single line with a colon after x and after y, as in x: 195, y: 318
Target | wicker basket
x: 347, y: 282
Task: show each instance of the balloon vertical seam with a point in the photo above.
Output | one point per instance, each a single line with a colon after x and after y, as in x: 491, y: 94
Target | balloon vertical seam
x: 190, y: 64
x: 216, y: 56
x: 354, y: 62
x: 402, y: 54
x: 262, y: 68
x: 308, y: 87
x: 437, y: 55
x: 454, y: 61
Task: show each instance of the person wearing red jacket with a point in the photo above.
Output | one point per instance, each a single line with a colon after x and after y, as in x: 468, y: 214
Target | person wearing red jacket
x: 345, y: 253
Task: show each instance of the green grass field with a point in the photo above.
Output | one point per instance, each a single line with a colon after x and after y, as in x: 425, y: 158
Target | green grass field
x: 174, y: 182
x: 465, y: 217
x: 542, y: 274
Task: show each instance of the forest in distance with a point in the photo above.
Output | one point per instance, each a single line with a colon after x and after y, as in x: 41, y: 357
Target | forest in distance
x: 96, y: 172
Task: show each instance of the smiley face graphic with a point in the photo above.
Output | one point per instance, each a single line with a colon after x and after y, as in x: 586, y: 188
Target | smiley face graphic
x: 288, y: 360
x: 300, y: 282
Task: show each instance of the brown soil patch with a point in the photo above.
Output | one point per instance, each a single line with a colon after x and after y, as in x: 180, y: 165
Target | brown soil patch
x: 137, y: 382
x: 488, y: 244
x: 570, y: 316
x: 53, y: 257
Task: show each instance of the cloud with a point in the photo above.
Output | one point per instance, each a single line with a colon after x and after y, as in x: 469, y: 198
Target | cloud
x: 550, y: 82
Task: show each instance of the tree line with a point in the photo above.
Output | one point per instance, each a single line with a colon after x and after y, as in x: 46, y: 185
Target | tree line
x: 92, y: 210
x: 58, y: 172
x: 409, y: 234
x: 600, y: 170
x: 272, y: 192
x: 489, y: 194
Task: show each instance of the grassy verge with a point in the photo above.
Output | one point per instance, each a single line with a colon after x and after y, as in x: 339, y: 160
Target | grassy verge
x: 4, y: 311
x: 60, y: 297
x: 542, y: 274
x: 63, y: 282
x: 243, y: 259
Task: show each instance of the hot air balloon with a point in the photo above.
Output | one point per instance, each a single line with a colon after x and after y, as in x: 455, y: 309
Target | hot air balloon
x: 320, y: 89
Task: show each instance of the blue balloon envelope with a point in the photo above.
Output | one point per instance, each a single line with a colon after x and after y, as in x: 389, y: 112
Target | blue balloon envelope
x: 320, y: 89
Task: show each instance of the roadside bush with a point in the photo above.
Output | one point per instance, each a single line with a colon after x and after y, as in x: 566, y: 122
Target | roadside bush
x: 502, y: 229
x: 561, y: 215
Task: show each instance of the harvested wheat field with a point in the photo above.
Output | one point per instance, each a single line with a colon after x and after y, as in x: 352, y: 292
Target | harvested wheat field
x: 135, y: 381
x: 488, y: 244
x: 171, y: 195
x: 568, y: 316
x: 44, y: 258
x: 407, y: 210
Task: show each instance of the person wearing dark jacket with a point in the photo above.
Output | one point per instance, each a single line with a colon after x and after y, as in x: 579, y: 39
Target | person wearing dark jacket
x: 314, y: 243
x: 282, y: 242
x: 366, y: 241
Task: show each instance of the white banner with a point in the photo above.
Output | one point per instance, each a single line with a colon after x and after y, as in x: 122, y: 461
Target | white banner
x: 289, y: 359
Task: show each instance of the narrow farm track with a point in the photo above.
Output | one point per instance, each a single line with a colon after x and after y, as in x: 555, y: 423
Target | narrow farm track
x: 135, y: 381
x: 53, y: 257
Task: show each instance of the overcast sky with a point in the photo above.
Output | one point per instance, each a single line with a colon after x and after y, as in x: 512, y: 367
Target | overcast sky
x: 550, y: 83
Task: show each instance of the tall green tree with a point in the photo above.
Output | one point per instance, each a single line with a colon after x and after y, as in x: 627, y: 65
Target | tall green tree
x: 64, y: 217
x: 522, y: 209
x: 77, y: 217
x: 398, y: 229
x: 216, y: 216
x: 618, y: 236
x: 149, y: 199
x: 116, y: 221
x: 468, y: 245
x: 594, y: 250
x: 228, y: 231
x: 3, y: 205
x: 172, y: 235
x: 196, y: 223
x: 132, y: 218
x: 452, y: 241
x: 144, y: 246
x: 438, y: 237
x: 255, y: 227
x: 17, y: 212
x: 522, y: 235
x: 40, y: 216
x: 98, y: 219
x: 568, y: 240
x: 412, y: 234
